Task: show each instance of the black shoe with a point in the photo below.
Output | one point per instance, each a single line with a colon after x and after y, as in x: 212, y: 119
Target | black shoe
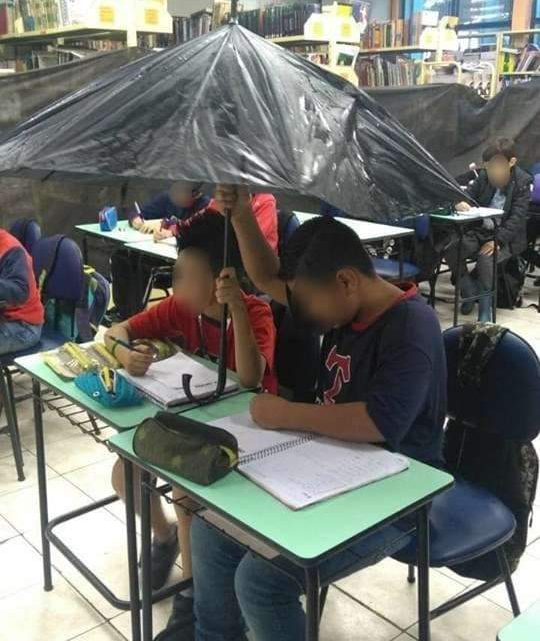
x: 182, y: 610
x: 163, y: 557
x: 178, y: 632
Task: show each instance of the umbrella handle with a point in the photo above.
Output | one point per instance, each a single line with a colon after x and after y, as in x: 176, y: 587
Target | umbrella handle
x: 210, y: 397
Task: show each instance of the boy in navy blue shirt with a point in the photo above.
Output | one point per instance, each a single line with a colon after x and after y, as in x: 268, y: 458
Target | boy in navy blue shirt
x: 382, y: 380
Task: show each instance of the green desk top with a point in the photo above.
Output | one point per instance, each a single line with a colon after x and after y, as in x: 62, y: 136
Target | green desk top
x: 526, y: 627
x: 121, y: 234
x: 309, y: 534
x: 119, y: 418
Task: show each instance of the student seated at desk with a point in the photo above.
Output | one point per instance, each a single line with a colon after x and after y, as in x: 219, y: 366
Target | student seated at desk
x: 21, y: 311
x: 502, y: 185
x: 160, y: 217
x: 192, y: 318
x: 382, y: 380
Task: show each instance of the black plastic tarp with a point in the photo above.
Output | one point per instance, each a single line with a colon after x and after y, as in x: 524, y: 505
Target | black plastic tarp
x: 455, y: 124
x: 231, y: 107
x: 22, y: 94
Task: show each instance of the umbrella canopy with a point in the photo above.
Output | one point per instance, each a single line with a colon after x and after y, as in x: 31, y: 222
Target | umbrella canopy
x: 231, y: 107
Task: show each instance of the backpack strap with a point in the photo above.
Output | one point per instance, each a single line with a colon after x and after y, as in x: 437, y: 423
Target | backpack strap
x: 477, y: 344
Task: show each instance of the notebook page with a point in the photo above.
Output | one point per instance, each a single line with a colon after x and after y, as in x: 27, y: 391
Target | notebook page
x: 252, y: 438
x: 322, y: 468
x: 163, y: 380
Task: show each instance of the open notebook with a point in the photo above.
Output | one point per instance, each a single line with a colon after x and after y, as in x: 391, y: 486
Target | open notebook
x: 301, y: 469
x: 162, y: 382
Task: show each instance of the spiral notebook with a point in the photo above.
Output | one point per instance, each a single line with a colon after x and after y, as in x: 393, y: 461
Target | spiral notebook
x: 301, y: 469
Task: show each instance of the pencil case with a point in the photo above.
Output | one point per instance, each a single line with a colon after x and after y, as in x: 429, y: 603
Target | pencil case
x: 108, y: 218
x: 124, y: 394
x: 197, y: 452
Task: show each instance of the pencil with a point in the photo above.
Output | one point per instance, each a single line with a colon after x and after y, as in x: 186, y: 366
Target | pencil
x: 122, y: 343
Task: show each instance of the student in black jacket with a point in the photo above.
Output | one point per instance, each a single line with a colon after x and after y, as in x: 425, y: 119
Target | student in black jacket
x: 503, y: 185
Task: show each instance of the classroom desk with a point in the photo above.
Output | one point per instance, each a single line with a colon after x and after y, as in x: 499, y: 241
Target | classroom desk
x: 121, y: 235
x: 525, y: 627
x: 165, y: 249
x: 366, y: 230
x: 120, y: 419
x: 461, y: 222
x: 306, y: 537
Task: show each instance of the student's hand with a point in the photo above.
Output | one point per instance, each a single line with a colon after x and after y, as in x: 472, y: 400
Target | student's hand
x: 161, y: 234
x: 488, y: 249
x: 137, y: 362
x: 463, y: 207
x: 137, y: 222
x: 150, y: 226
x: 270, y: 411
x: 235, y: 198
x: 228, y: 290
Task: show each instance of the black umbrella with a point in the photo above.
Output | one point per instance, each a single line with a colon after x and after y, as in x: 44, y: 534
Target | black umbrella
x: 231, y: 107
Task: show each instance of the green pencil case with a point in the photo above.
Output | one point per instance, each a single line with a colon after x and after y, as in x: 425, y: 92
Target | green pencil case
x: 197, y: 452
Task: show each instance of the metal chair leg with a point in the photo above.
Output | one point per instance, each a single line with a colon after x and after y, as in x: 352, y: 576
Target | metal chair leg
x: 9, y: 406
x: 505, y: 571
x: 322, y: 599
x: 411, y: 574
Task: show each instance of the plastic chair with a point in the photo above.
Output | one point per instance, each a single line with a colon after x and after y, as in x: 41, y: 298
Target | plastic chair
x: 49, y: 340
x: 288, y: 223
x: 467, y: 522
x: 27, y: 231
x: 389, y: 268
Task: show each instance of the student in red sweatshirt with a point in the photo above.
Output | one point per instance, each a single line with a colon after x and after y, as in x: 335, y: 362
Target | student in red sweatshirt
x: 191, y: 317
x: 21, y: 311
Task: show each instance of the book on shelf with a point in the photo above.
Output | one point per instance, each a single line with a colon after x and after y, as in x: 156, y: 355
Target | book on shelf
x: 385, y: 71
x: 393, y: 33
x: 193, y: 26
x: 522, y: 60
x: 279, y: 21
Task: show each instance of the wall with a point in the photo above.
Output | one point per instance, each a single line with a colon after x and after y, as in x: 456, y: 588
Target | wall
x: 187, y: 7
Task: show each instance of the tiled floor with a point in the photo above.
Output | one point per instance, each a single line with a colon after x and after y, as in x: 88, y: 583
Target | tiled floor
x: 377, y: 604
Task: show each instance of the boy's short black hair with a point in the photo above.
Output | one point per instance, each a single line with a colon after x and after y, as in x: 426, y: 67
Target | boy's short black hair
x: 206, y: 232
x: 500, y: 147
x: 319, y: 248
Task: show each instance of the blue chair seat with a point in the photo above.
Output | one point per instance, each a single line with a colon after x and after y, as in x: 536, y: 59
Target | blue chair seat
x: 389, y: 269
x: 465, y: 521
x: 50, y: 339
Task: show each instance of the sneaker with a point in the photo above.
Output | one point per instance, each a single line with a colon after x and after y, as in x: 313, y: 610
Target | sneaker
x: 182, y: 610
x: 178, y: 632
x: 163, y: 557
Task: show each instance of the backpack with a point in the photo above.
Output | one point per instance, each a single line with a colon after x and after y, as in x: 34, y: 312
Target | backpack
x: 75, y: 304
x: 505, y: 466
x: 510, y: 280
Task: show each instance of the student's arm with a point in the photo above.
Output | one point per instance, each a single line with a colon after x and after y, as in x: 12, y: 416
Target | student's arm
x: 519, y: 213
x: 14, y: 276
x: 135, y: 363
x: 265, y: 212
x: 260, y: 261
x: 250, y: 364
x: 396, y: 395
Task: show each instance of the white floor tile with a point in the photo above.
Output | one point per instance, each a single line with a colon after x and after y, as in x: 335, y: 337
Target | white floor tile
x: 477, y: 620
x: 94, y: 479
x: 105, y: 632
x: 35, y: 615
x: 21, y: 509
x: 7, y: 531
x: 75, y: 452
x: 534, y: 549
x: 55, y: 429
x: 384, y: 589
x: 21, y: 566
x: 404, y: 637
x: 8, y: 474
x: 343, y: 618
x: 525, y: 582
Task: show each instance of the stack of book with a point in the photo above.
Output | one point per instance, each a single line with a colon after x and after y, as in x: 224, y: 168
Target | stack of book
x: 279, y: 21
x: 187, y: 28
x: 379, y: 71
x: 382, y: 35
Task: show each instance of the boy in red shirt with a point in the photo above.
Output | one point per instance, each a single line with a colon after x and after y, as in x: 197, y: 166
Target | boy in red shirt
x: 192, y: 316
x: 21, y: 311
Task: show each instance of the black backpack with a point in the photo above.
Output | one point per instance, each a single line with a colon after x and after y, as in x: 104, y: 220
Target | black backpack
x: 510, y: 280
x: 504, y: 465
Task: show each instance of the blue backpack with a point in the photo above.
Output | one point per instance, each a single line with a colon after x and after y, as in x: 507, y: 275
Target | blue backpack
x: 75, y: 296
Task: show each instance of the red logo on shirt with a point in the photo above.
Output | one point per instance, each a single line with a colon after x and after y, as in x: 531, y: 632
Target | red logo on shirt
x: 342, y: 365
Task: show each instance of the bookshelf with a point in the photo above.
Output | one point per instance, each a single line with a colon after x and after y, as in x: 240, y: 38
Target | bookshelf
x: 396, y: 50
x: 516, y: 55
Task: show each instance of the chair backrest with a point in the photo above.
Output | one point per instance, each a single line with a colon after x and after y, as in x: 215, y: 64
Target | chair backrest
x: 58, y: 266
x: 288, y: 223
x: 535, y: 193
x: 507, y: 402
x: 27, y: 231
